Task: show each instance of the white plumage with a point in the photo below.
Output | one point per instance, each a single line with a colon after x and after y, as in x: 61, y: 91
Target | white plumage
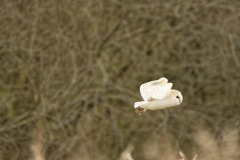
x: 157, y: 94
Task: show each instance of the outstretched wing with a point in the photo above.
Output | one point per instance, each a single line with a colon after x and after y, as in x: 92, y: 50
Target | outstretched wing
x: 155, y: 89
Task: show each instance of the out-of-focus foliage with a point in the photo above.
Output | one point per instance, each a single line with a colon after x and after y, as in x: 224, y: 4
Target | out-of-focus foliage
x: 70, y: 72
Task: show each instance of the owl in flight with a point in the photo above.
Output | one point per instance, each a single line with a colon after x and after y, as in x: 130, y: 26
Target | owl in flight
x: 157, y: 94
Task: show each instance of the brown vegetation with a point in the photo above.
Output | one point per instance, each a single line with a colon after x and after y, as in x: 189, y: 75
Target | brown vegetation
x: 71, y: 70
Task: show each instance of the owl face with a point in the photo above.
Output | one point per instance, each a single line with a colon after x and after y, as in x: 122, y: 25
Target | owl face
x: 178, y: 98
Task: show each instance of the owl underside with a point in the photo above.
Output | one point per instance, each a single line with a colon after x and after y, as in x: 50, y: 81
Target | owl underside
x: 153, y: 105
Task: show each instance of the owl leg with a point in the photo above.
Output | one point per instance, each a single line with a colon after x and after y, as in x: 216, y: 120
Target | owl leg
x: 140, y: 110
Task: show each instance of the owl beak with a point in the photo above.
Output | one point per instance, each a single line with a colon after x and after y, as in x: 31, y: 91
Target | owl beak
x: 180, y: 99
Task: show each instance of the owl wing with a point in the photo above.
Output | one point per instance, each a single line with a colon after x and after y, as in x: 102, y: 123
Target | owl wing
x: 156, y: 89
x: 159, y: 91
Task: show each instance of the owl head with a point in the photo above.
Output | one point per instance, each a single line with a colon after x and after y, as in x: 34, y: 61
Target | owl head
x: 176, y: 97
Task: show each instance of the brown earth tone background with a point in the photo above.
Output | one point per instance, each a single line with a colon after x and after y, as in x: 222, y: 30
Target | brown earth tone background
x: 70, y: 72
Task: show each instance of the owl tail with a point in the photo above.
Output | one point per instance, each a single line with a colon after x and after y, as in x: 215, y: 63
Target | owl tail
x: 138, y: 108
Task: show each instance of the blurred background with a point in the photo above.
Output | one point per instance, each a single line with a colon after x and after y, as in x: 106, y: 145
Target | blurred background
x: 71, y: 70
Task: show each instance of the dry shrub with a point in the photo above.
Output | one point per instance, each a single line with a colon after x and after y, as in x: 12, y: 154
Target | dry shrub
x: 126, y: 154
x: 77, y: 66
x: 210, y: 148
x: 37, y: 145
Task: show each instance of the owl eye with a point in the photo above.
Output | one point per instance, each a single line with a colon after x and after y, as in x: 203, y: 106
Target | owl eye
x: 177, y: 97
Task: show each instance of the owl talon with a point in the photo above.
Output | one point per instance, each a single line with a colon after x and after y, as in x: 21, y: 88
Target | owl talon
x: 140, y: 110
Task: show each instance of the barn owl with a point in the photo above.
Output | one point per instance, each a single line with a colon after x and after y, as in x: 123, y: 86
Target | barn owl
x: 157, y: 94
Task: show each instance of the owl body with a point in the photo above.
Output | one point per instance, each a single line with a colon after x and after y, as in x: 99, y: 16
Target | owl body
x: 157, y: 95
